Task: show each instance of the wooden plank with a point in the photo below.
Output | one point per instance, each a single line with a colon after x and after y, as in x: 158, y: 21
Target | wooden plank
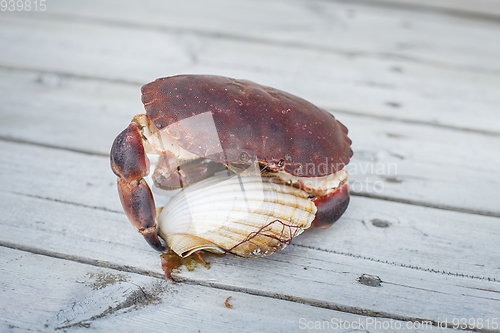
x: 430, y: 166
x: 378, y: 86
x: 75, y: 178
x: 314, y: 277
x: 78, y: 114
x: 418, y: 265
x: 46, y: 294
x: 414, y: 237
x: 83, y: 180
x: 415, y: 249
x: 350, y: 28
x: 399, y: 161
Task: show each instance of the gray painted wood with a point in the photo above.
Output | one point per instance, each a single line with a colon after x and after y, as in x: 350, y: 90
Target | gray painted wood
x: 319, y: 278
x: 352, y: 29
x: 417, y: 89
x: 417, y: 256
x: 48, y: 294
x: 387, y: 86
x: 379, y: 230
x: 474, y: 8
x: 400, y: 161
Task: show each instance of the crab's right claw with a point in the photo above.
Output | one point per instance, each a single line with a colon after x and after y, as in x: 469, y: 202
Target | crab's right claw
x: 331, y: 206
x: 130, y: 163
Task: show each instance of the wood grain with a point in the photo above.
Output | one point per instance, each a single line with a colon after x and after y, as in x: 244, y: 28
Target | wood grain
x: 423, y: 259
x: 374, y: 229
x: 489, y: 9
x: 377, y: 85
x: 393, y: 160
x: 416, y: 82
x: 349, y: 28
x: 70, y: 296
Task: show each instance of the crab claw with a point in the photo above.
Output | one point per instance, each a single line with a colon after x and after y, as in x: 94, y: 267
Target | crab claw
x: 130, y: 163
x: 331, y: 206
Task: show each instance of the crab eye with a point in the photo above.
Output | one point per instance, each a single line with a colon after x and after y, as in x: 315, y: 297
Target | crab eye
x: 244, y: 157
x: 281, y: 163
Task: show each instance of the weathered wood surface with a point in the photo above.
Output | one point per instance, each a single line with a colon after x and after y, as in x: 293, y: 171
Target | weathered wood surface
x: 85, y: 296
x: 400, y: 72
x: 85, y: 181
x: 477, y: 8
x: 412, y: 249
x: 352, y: 29
x: 417, y: 89
x: 394, y: 160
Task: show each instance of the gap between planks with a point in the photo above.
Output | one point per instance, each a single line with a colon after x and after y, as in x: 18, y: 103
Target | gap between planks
x: 98, y: 293
x: 255, y: 292
x: 427, y: 204
x: 406, y: 91
x: 361, y: 194
x: 431, y: 270
x: 334, y: 110
x: 69, y: 18
x: 36, y: 224
x: 476, y: 10
x: 70, y: 75
x: 132, y: 269
x: 413, y: 121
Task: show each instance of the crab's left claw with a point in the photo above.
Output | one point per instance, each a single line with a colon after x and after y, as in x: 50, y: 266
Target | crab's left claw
x: 331, y: 206
x: 130, y: 163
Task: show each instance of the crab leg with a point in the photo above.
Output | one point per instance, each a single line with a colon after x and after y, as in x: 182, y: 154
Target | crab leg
x: 331, y: 206
x: 130, y: 163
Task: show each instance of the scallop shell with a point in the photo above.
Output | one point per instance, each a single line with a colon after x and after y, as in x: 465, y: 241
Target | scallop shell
x: 248, y: 216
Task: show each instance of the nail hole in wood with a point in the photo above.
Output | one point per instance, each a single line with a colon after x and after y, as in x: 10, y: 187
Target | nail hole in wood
x: 380, y: 223
x: 370, y: 280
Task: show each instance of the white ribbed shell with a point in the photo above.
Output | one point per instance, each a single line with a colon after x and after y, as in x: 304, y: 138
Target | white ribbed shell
x: 247, y: 216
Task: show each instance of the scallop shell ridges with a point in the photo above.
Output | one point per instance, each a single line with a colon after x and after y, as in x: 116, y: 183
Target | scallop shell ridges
x: 249, y: 216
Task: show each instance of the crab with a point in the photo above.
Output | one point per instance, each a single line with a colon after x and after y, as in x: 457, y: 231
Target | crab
x: 255, y: 166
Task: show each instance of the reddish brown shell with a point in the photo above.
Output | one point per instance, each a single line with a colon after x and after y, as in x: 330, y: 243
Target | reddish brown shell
x: 251, y: 121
